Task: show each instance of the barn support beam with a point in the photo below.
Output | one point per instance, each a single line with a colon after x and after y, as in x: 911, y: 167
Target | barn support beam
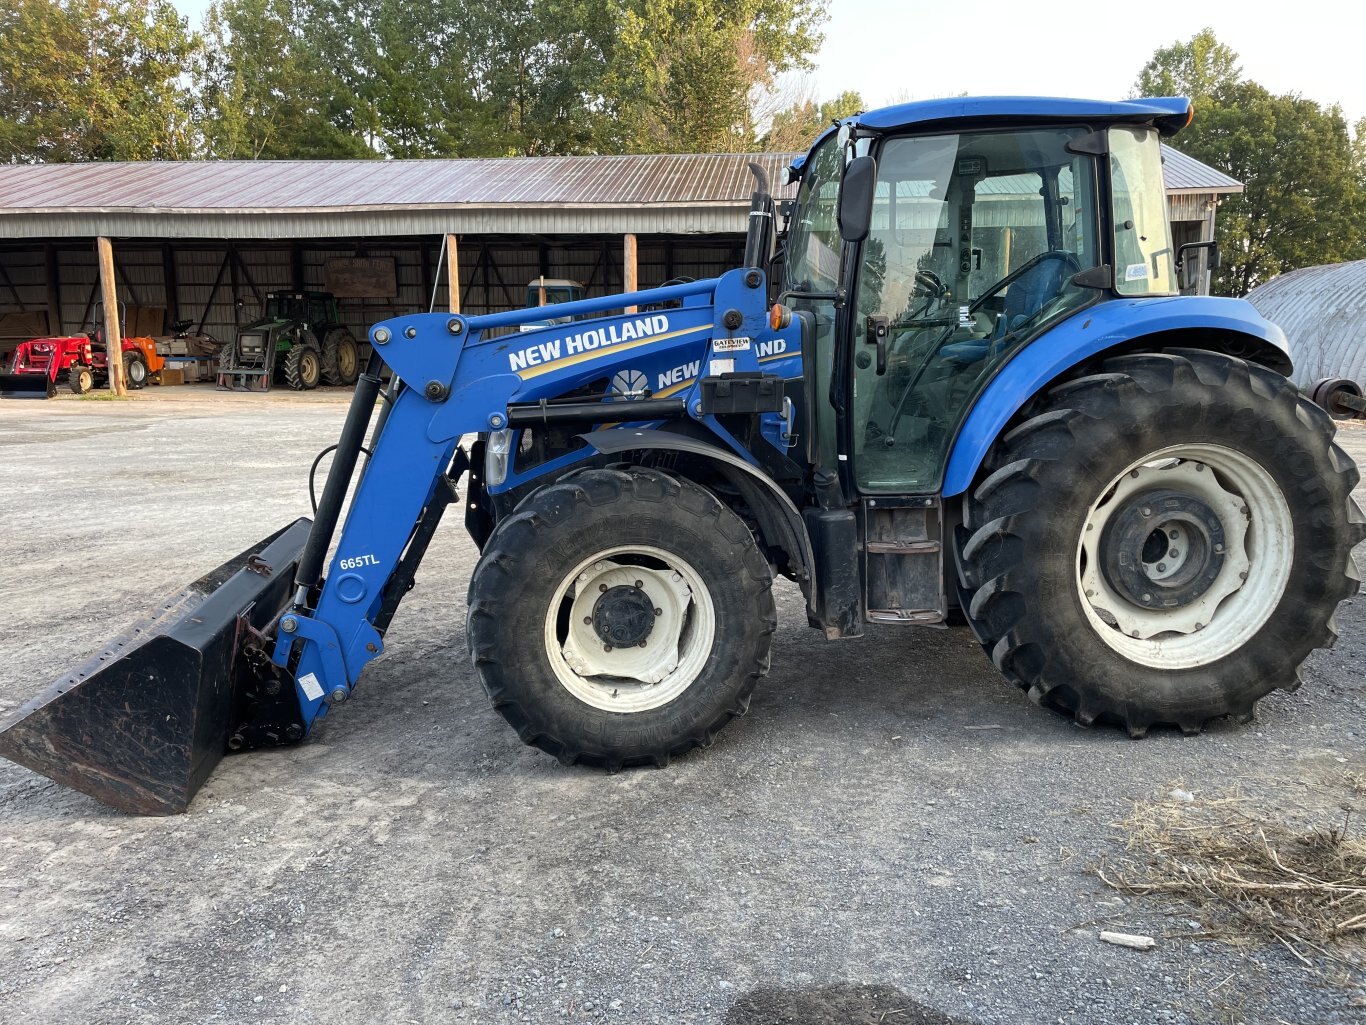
x: 628, y: 267
x: 113, y: 336
x: 452, y: 271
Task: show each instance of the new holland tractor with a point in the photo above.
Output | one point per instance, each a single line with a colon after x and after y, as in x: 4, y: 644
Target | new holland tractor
x: 958, y: 386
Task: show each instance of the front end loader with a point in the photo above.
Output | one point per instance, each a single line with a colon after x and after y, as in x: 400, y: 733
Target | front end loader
x: 958, y: 386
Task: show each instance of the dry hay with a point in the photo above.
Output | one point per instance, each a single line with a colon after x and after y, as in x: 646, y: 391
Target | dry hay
x: 1255, y: 874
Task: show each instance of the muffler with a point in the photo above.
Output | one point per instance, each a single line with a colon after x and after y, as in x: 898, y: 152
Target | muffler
x: 143, y: 724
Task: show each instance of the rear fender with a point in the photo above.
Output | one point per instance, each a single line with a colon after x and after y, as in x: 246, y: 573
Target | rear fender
x: 1230, y: 326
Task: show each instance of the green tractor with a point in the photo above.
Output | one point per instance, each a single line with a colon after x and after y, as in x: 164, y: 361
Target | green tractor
x: 300, y: 340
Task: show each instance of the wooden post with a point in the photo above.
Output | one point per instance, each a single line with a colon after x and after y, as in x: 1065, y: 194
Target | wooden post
x: 113, y: 336
x: 453, y: 271
x: 628, y: 268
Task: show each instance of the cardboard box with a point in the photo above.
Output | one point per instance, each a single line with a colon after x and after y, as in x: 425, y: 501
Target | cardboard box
x: 172, y: 375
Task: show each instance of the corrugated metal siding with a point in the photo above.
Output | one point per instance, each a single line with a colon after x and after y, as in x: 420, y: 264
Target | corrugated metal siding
x: 493, y: 276
x: 1323, y: 313
x: 283, y: 185
x: 714, y: 219
x: 1182, y: 172
x: 650, y: 195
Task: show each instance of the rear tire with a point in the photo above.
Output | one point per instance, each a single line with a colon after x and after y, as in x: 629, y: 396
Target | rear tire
x: 637, y: 557
x: 135, y: 370
x: 1062, y: 589
x: 303, y: 367
x: 341, y: 358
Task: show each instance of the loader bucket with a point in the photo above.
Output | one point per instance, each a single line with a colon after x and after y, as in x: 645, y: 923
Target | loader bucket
x: 26, y: 386
x: 142, y: 724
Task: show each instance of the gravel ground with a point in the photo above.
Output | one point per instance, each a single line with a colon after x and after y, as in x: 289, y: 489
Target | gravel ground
x: 891, y: 835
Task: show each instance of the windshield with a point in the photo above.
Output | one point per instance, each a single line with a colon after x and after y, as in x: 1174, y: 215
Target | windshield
x: 813, y: 247
x: 974, y: 244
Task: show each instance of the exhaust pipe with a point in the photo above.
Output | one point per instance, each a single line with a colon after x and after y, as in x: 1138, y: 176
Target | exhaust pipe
x: 143, y: 724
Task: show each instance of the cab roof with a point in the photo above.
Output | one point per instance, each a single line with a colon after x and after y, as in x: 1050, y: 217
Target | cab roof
x: 1168, y: 114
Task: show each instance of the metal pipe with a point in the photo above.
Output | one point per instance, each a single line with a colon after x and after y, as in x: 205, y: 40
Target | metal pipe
x: 599, y: 305
x: 631, y: 411
x: 339, y: 476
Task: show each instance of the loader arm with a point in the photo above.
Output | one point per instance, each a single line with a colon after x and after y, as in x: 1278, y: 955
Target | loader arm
x: 459, y: 378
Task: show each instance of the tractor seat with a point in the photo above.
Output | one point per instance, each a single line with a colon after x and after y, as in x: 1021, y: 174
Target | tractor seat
x: 1025, y: 297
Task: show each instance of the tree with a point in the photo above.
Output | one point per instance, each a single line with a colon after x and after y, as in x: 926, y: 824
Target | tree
x: 1302, y: 195
x: 794, y: 130
x: 1195, y: 68
x: 267, y: 89
x: 1303, y: 174
x: 682, y: 73
x: 94, y: 80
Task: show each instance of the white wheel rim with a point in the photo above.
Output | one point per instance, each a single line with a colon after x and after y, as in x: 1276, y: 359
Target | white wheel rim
x: 646, y: 675
x: 1257, y: 556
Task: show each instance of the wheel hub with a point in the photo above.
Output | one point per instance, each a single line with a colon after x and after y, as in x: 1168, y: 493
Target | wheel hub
x: 1163, y: 549
x: 626, y: 623
x: 1129, y: 576
x: 624, y: 615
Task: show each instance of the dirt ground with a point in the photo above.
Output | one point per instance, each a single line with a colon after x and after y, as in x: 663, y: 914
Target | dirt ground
x: 891, y: 835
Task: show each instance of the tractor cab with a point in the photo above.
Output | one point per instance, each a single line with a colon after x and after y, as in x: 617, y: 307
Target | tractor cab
x: 551, y: 292
x: 928, y: 252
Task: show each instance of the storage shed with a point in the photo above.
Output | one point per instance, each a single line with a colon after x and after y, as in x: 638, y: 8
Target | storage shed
x: 1323, y: 313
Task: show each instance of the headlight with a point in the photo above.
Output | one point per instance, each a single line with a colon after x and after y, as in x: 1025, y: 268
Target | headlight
x: 497, y: 454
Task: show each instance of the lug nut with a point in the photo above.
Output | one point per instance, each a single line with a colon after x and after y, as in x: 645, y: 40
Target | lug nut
x: 602, y: 587
x: 659, y: 612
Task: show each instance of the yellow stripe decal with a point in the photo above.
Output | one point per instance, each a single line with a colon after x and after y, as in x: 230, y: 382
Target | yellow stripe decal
x: 780, y: 355
x: 569, y: 361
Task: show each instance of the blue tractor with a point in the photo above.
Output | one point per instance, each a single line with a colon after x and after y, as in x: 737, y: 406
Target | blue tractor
x: 958, y: 386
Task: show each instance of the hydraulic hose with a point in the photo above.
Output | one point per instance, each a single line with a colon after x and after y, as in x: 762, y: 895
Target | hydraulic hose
x: 338, y: 478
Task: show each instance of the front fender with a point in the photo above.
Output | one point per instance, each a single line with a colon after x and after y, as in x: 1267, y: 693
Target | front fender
x: 1229, y: 325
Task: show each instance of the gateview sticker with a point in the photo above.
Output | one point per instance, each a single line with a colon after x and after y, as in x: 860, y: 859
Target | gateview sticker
x: 730, y: 344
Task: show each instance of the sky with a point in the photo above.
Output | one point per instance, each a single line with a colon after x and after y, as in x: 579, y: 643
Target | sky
x: 1065, y: 48
x: 1091, y: 50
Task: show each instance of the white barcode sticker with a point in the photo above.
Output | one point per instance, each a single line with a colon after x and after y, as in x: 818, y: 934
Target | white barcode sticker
x: 312, y: 688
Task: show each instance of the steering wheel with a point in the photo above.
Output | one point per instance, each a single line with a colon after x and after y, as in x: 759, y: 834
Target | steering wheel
x: 928, y: 284
x: 1069, y: 260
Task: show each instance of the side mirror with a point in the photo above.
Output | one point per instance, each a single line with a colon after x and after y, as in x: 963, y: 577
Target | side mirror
x: 855, y: 214
x: 1190, y: 247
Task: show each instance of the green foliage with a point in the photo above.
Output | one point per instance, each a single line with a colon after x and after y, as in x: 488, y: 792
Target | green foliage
x: 266, y: 89
x: 125, y: 79
x: 94, y: 80
x: 794, y: 130
x: 1195, y: 68
x: 683, y: 74
x: 1304, y: 174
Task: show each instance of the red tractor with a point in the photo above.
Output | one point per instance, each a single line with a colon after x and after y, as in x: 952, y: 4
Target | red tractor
x: 38, y: 364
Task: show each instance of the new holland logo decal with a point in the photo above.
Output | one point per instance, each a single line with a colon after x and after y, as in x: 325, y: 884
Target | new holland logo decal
x: 554, y: 353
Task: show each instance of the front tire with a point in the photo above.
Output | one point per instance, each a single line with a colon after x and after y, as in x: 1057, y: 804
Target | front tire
x: 81, y: 379
x: 303, y: 367
x: 1067, y: 561
x: 620, y: 617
